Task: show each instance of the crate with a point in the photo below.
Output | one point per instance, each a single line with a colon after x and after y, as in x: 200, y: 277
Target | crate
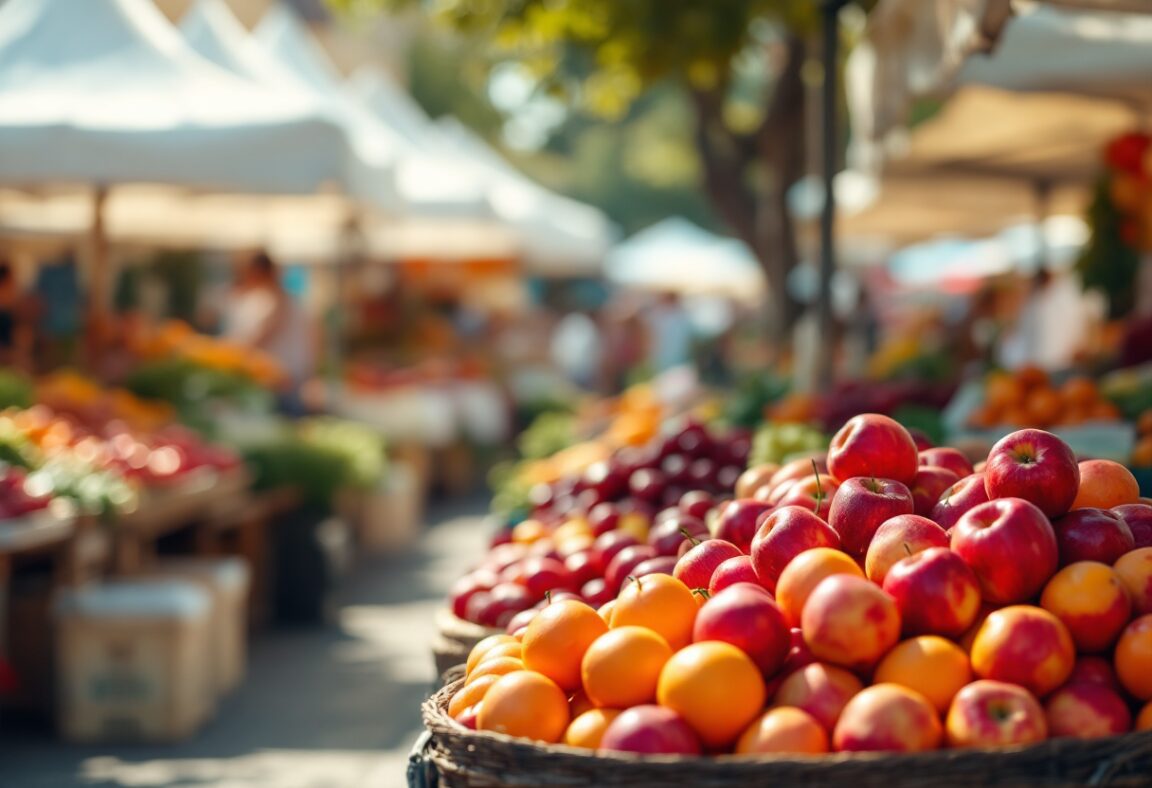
x: 134, y: 661
x: 227, y: 580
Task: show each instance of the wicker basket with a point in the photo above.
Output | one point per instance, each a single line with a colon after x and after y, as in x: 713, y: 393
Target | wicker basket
x: 488, y: 760
x: 455, y: 638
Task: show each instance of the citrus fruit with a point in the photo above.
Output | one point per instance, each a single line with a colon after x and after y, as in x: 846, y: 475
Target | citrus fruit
x: 621, y: 668
x: 525, y: 704
x: 555, y: 641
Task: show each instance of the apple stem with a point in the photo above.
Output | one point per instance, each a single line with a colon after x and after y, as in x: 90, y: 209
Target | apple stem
x: 704, y: 592
x: 548, y: 596
x: 690, y: 537
x: 819, y: 488
x: 634, y: 579
x: 907, y: 549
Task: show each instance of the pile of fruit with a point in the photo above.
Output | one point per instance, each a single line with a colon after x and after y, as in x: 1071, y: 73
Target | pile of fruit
x: 90, y: 403
x: 887, y: 597
x: 101, y: 468
x: 1027, y: 398
x: 176, y: 339
x: 626, y: 514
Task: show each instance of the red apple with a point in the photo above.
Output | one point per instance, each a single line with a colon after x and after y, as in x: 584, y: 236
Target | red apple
x: 696, y: 503
x: 650, y: 730
x: 1138, y: 516
x: 608, y: 545
x: 784, y: 534
x: 464, y: 589
x: 820, y: 690
x: 545, y: 574
x: 583, y: 565
x: 604, y: 517
x: 1090, y: 598
x: 520, y: 620
x: 935, y: 591
x: 667, y: 536
x: 995, y: 714
x: 754, y: 478
x: 747, y: 617
x: 930, y: 483
x: 596, y: 592
x: 888, y: 718
x: 849, y: 621
x: 648, y: 484
x: 696, y: 566
x: 947, y: 457
x: 861, y: 504
x: 966, y: 494
x: 821, y: 507
x: 737, y: 521
x: 1087, y: 711
x: 737, y: 569
x: 660, y: 565
x: 1094, y: 670
x: 503, y: 602
x: 624, y: 562
x: 798, y: 469
x: 873, y: 445
x: 1011, y: 547
x: 1034, y: 465
x: 898, y: 538
x: 1092, y: 535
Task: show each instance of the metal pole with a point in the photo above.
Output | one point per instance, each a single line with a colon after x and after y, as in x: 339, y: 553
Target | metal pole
x: 830, y: 56
x: 98, y: 282
x: 1042, y: 191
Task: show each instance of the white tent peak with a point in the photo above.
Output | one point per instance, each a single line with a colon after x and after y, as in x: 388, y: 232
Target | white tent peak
x: 288, y: 37
x: 213, y: 30
x: 388, y: 100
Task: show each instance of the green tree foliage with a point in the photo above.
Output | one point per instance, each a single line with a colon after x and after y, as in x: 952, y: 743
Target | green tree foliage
x: 737, y: 65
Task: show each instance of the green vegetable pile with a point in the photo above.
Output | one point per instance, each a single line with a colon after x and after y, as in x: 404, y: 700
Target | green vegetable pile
x: 779, y: 443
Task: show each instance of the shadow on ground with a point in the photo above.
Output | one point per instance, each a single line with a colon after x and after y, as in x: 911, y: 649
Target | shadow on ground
x: 328, y: 706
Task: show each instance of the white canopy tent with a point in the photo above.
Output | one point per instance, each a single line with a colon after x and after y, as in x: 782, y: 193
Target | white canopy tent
x: 558, y: 235
x: 104, y: 96
x: 676, y: 255
x: 406, y: 178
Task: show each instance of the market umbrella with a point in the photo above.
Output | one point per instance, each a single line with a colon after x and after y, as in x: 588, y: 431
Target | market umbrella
x: 676, y: 255
x: 104, y: 94
x: 559, y: 236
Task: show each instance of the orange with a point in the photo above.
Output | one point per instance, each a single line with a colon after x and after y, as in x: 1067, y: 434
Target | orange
x: 588, y: 729
x: 483, y: 647
x: 783, y: 730
x: 556, y: 639
x: 509, y: 649
x: 497, y: 666
x: 529, y: 531
x: 715, y: 687
x: 1031, y: 377
x: 1144, y: 423
x: 1144, y: 718
x: 1105, y: 411
x: 525, y: 704
x: 470, y: 694
x: 1044, y: 407
x: 1002, y: 391
x: 934, y: 667
x: 1142, y: 453
x: 605, y: 611
x: 804, y: 572
x: 1092, y: 601
x: 1134, y: 658
x: 1104, y: 484
x: 622, y: 667
x: 1080, y: 391
x: 1135, y: 571
x: 660, y: 602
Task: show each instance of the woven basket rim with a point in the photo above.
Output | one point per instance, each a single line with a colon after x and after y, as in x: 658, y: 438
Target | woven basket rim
x: 452, y: 627
x: 437, y: 720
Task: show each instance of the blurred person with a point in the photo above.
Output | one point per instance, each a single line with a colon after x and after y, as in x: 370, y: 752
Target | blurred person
x: 59, y: 305
x: 264, y: 316
x: 670, y: 334
x: 625, y: 346
x: 15, y: 332
x: 577, y: 349
x: 1051, y: 325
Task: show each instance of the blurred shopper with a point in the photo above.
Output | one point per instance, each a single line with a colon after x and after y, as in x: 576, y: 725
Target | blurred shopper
x: 1051, y: 326
x: 263, y: 315
x: 625, y: 346
x: 670, y: 333
x: 60, y: 308
x: 14, y: 330
x: 577, y: 349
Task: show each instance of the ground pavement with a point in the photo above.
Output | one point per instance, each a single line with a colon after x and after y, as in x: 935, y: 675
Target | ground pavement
x: 327, y: 707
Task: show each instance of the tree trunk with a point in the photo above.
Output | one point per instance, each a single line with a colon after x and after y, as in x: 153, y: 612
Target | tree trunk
x: 747, y: 180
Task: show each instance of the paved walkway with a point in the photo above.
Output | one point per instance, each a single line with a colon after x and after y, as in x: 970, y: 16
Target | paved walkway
x: 321, y: 708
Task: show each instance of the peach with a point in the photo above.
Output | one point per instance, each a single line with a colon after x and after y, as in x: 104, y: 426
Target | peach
x: 1135, y: 571
x: 1091, y: 600
x: 1133, y: 658
x: 896, y: 539
x: 887, y: 718
x: 1104, y: 484
x: 820, y: 690
x: 850, y: 622
x: 1024, y: 645
x: 1086, y: 711
x: 804, y: 572
x: 995, y: 714
x: 783, y: 730
x: 934, y: 667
